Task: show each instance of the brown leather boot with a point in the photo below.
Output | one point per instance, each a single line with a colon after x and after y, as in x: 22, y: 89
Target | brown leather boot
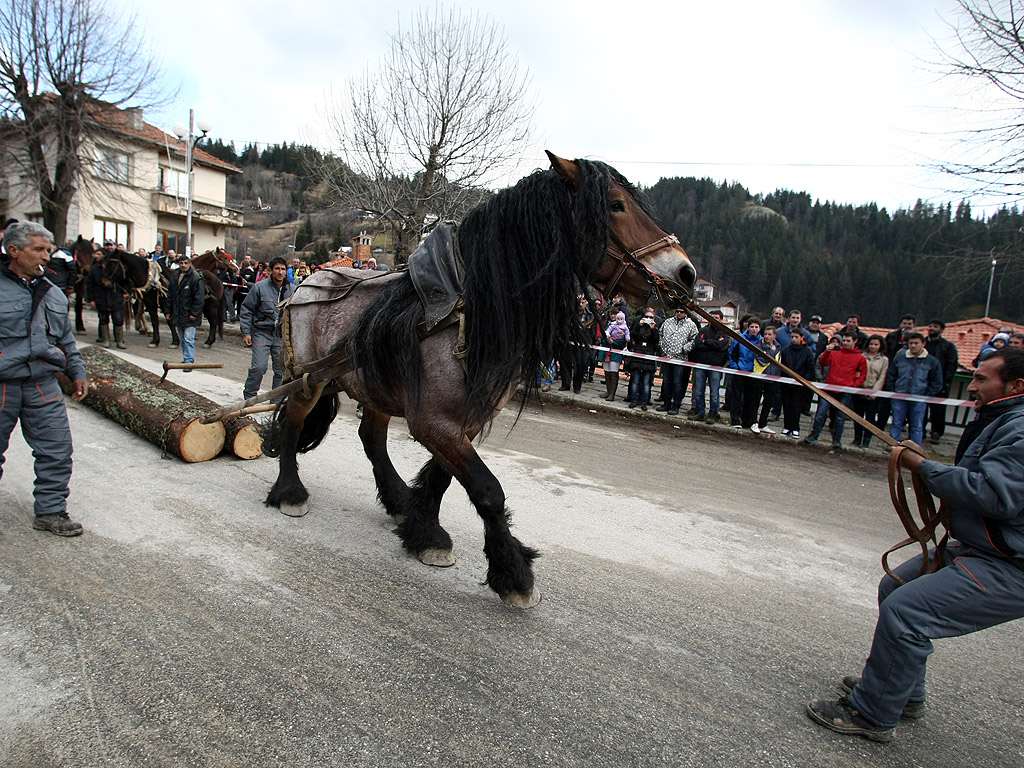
x: 613, y: 384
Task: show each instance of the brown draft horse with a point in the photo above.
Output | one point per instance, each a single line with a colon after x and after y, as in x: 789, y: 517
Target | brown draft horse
x: 528, y: 252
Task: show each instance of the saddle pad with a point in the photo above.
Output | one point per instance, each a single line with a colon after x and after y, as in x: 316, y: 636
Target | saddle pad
x: 332, y: 284
x: 436, y: 272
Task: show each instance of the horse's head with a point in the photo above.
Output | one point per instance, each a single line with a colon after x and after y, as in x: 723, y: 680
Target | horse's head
x: 83, y: 250
x: 642, y: 261
x: 125, y: 270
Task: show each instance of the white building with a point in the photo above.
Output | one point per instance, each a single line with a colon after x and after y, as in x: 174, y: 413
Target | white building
x: 132, y: 189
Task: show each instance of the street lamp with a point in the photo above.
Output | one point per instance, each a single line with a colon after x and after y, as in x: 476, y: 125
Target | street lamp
x: 991, y: 279
x: 193, y: 140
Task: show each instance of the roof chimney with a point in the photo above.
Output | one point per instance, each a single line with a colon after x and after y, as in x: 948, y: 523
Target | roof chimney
x: 134, y: 117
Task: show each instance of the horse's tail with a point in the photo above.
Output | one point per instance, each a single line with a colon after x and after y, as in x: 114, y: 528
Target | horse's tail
x: 314, y: 427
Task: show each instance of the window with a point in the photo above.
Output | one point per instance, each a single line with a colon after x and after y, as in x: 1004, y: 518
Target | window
x: 173, y: 182
x: 118, y: 231
x: 114, y: 165
x: 172, y: 241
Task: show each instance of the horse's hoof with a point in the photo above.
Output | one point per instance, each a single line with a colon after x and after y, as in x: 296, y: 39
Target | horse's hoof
x: 207, y: 346
x: 294, y: 510
x: 439, y: 558
x: 519, y: 600
x: 151, y: 345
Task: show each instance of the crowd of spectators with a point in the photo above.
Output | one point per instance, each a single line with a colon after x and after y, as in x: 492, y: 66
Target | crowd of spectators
x: 905, y: 361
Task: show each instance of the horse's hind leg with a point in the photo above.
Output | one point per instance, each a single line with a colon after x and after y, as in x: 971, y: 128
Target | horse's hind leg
x: 509, y: 561
x: 288, y: 493
x: 415, y: 509
x: 152, y: 306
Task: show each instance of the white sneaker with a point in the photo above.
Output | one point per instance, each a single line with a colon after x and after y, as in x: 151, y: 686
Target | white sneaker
x: 785, y: 432
x: 795, y: 433
x: 755, y: 429
x: 737, y: 426
x: 768, y: 430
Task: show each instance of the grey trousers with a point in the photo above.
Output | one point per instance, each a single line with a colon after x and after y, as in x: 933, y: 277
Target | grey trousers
x: 266, y: 346
x: 974, y: 591
x: 39, y: 405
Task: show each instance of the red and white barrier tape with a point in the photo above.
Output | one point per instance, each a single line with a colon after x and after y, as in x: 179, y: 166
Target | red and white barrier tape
x: 786, y: 380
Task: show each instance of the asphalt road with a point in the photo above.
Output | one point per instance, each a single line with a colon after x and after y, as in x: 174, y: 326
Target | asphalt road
x: 699, y: 587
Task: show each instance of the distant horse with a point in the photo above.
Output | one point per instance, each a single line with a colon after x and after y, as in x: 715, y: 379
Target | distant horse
x: 528, y: 253
x: 132, y: 273
x: 82, y: 250
x: 208, y: 263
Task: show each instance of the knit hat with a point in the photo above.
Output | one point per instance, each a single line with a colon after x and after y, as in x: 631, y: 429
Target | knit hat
x: 1003, y: 337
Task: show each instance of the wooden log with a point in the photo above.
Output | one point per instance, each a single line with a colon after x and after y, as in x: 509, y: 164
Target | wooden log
x: 242, y: 438
x: 167, y: 416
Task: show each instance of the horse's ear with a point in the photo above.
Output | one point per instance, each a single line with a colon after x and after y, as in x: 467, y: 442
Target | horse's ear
x: 567, y: 169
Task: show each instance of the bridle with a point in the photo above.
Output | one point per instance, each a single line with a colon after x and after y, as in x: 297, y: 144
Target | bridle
x: 924, y: 533
x: 661, y: 288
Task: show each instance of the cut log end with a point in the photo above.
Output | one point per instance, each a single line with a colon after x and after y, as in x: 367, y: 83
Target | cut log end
x: 201, y: 442
x: 247, y: 443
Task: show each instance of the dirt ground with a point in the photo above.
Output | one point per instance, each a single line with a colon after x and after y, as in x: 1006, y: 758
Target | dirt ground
x: 699, y: 587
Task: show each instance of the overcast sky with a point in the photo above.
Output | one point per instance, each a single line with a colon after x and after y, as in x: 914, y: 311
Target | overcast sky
x: 830, y: 97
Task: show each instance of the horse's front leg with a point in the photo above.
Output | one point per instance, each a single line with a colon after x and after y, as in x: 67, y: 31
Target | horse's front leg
x: 509, y: 561
x: 79, y: 309
x: 288, y: 493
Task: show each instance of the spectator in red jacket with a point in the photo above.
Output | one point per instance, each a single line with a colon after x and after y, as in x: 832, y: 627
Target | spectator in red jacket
x: 846, y: 368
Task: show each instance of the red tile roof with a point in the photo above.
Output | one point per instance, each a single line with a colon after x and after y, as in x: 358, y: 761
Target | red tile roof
x: 127, y: 123
x: 968, y: 335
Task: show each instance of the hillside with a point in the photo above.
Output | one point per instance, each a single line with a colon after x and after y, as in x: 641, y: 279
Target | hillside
x: 782, y: 248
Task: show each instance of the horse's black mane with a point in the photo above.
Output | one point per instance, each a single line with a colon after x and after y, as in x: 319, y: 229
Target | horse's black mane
x: 528, y: 252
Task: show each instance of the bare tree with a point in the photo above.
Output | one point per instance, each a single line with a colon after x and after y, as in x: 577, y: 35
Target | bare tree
x: 57, y: 58
x: 421, y: 136
x: 985, y: 56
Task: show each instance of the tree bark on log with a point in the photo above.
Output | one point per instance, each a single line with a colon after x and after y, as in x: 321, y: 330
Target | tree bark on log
x: 167, y: 416
x: 242, y: 439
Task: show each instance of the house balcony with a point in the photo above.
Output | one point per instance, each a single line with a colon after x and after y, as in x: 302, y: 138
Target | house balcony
x: 209, y: 213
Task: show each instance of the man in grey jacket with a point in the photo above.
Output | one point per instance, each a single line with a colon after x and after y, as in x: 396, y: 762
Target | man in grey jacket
x: 981, y: 583
x: 258, y: 324
x: 36, y: 341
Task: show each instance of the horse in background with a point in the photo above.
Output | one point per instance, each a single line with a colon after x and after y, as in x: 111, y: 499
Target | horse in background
x: 213, y: 311
x: 133, y: 274
x: 82, y: 250
x: 526, y: 253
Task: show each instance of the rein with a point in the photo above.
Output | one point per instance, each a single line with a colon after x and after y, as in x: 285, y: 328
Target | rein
x: 924, y: 533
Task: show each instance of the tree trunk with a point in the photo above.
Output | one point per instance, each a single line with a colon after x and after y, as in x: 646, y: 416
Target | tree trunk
x: 242, y: 439
x: 167, y: 416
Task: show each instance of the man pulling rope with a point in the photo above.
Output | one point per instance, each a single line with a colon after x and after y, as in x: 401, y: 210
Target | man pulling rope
x: 982, y: 581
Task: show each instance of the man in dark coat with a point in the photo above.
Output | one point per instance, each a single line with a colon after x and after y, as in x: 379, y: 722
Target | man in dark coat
x: 186, y: 292
x: 108, y: 301
x: 948, y: 355
x: 711, y: 348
